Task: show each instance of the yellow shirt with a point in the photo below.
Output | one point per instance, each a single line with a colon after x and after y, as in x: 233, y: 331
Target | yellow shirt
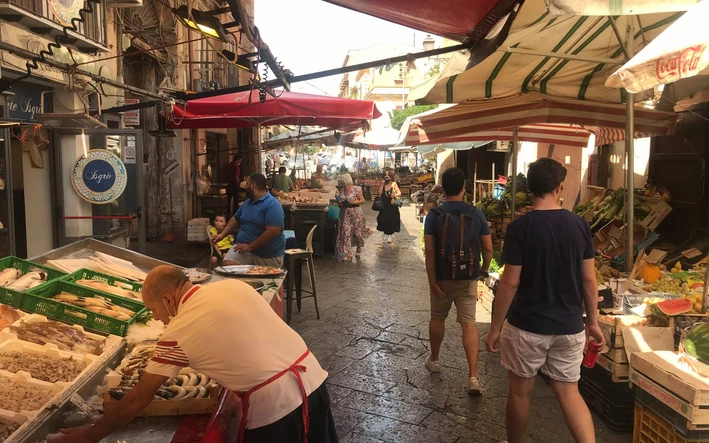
x: 226, y: 243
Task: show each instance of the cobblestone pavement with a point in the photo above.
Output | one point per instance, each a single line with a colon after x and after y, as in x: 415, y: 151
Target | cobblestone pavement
x: 372, y: 338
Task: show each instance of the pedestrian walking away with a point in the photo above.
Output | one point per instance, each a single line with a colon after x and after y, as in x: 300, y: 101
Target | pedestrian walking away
x: 234, y: 179
x: 389, y: 218
x: 549, y: 277
x: 454, y: 234
x: 353, y: 226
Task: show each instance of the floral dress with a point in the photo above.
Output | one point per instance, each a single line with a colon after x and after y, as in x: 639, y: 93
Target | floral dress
x: 353, y: 226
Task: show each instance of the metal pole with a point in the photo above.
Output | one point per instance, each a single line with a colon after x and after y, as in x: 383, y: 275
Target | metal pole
x: 258, y: 147
x: 475, y: 183
x: 515, y: 138
x: 630, y: 157
x: 706, y: 286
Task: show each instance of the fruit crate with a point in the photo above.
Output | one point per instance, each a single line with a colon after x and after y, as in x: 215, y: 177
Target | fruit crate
x: 651, y: 428
x: 612, y: 402
x: 86, y: 274
x: 683, y: 427
x: 14, y: 298
x: 41, y: 302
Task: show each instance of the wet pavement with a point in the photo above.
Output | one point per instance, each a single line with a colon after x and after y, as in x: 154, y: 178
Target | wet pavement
x: 372, y: 338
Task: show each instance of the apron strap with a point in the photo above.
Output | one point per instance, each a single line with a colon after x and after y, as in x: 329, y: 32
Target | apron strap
x: 296, y: 368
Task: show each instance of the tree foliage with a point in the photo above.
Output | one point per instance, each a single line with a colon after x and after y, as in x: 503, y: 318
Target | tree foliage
x: 397, y: 118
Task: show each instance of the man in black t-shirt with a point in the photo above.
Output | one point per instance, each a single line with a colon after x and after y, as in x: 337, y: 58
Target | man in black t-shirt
x: 549, y: 276
x: 461, y: 289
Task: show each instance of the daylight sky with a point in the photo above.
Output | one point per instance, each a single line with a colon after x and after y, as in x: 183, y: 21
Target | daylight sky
x: 312, y: 35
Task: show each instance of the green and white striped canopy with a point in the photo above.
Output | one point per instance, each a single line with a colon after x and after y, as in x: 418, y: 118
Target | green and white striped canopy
x: 528, y: 59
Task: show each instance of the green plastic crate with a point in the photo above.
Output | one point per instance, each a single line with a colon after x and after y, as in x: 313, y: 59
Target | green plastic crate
x: 14, y: 298
x: 39, y: 301
x: 87, y: 274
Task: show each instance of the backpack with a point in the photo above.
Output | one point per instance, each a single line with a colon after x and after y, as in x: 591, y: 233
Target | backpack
x: 458, y: 244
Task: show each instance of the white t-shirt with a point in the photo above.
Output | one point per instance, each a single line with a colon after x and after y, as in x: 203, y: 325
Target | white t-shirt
x: 228, y: 332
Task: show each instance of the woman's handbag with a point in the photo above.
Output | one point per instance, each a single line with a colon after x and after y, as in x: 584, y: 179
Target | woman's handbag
x: 377, y: 204
x: 398, y: 202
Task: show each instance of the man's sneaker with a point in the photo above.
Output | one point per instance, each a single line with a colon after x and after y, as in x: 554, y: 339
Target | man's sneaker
x: 474, y: 387
x: 433, y: 366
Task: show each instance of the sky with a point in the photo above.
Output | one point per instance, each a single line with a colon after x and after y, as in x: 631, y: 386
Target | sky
x: 312, y: 35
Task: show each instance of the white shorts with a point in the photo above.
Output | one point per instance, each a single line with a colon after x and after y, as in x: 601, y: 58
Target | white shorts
x: 558, y: 356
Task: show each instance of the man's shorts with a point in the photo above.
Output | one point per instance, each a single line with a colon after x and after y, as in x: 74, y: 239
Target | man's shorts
x: 558, y: 356
x: 464, y: 293
x: 252, y: 259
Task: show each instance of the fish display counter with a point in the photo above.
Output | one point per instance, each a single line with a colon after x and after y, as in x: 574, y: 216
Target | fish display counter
x: 75, y: 334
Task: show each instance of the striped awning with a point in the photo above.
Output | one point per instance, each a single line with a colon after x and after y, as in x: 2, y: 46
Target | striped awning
x: 540, y: 119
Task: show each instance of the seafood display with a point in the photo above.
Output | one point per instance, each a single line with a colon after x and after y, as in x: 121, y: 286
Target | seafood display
x: 263, y: 270
x: 17, y: 397
x: 249, y: 270
x: 65, y: 337
x: 12, y: 278
x: 197, y: 275
x: 6, y: 429
x: 97, y: 304
x: 8, y: 316
x: 184, y: 386
x: 119, y: 289
x: 42, y: 367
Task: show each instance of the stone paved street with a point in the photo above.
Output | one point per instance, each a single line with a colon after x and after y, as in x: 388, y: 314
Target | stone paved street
x: 373, y: 339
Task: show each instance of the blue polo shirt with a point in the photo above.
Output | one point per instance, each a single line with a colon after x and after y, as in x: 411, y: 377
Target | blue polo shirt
x: 253, y: 217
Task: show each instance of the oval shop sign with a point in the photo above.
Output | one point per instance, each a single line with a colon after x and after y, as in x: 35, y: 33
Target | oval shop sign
x: 99, y: 177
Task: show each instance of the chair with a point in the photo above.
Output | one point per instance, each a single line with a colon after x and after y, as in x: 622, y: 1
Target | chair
x: 293, y: 262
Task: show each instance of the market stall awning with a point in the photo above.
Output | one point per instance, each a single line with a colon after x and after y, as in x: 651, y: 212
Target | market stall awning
x: 565, y: 56
x: 679, y: 52
x: 243, y: 109
x: 301, y: 137
x: 453, y: 19
x: 461, y: 146
x: 539, y: 118
x: 614, y: 7
x: 380, y: 138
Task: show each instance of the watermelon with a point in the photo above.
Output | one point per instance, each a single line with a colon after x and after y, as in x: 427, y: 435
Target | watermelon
x: 696, y: 342
x: 674, y: 306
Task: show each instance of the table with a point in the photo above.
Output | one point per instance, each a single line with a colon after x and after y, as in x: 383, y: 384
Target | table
x: 273, y: 297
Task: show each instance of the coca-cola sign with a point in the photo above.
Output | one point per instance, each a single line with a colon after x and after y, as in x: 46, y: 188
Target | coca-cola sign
x: 680, y: 65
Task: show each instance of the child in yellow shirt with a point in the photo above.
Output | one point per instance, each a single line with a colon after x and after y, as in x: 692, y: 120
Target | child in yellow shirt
x: 228, y: 241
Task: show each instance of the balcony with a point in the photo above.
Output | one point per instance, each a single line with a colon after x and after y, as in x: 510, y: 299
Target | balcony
x: 44, y: 17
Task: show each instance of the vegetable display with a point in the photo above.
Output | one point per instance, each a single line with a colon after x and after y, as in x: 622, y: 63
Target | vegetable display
x: 609, y: 208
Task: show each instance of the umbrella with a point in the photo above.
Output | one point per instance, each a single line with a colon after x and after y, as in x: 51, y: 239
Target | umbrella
x: 243, y: 110
x: 679, y: 52
x: 377, y: 138
x: 539, y: 118
x: 565, y: 56
x: 613, y: 7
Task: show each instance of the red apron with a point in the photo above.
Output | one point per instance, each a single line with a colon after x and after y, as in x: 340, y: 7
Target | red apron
x: 296, y: 369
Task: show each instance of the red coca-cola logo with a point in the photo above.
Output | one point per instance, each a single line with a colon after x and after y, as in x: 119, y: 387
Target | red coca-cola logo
x: 681, y: 64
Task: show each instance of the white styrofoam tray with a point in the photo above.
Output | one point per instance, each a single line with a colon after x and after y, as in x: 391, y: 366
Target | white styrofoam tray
x: 32, y: 348
x: 111, y: 343
x: 24, y: 378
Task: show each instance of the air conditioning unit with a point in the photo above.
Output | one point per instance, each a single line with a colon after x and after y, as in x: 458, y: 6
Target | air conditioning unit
x: 499, y: 146
x: 124, y: 3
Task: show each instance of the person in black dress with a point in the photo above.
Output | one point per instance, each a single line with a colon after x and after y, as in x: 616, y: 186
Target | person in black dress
x: 389, y: 219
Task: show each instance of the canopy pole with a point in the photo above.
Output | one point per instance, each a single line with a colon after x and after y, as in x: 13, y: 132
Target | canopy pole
x: 475, y: 184
x: 515, y: 138
x: 630, y: 180
x: 258, y: 147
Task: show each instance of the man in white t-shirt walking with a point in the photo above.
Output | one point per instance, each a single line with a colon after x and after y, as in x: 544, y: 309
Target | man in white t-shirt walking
x: 228, y: 332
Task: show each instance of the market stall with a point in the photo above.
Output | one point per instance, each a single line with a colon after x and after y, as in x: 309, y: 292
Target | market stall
x: 78, y: 310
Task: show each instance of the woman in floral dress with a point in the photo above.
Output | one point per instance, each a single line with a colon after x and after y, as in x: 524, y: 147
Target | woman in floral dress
x: 353, y: 227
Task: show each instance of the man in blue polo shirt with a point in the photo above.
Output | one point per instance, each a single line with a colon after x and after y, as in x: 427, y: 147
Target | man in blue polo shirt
x: 260, y: 240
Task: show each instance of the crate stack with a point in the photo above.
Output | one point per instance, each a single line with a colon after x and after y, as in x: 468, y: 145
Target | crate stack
x: 605, y: 387
x: 197, y: 229
x: 303, y: 220
x: 672, y: 404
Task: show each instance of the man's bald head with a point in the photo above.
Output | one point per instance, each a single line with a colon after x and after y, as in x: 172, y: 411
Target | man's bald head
x: 162, y: 290
x: 163, y: 279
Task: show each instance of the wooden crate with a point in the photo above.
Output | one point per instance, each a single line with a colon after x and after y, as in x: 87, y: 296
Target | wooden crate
x: 619, y: 371
x: 662, y: 375
x: 485, y: 296
x: 613, y: 335
x: 165, y: 408
x: 617, y: 355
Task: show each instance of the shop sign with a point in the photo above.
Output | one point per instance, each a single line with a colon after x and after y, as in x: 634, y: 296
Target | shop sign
x: 681, y: 64
x: 99, y: 177
x: 25, y: 104
x: 131, y: 118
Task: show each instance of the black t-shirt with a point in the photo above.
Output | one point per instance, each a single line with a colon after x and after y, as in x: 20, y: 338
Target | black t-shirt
x: 550, y: 246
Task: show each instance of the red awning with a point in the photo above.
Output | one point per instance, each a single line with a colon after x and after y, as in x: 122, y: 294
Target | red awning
x: 448, y: 18
x: 290, y: 108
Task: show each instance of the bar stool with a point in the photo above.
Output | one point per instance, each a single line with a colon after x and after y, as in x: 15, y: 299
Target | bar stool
x: 293, y: 262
